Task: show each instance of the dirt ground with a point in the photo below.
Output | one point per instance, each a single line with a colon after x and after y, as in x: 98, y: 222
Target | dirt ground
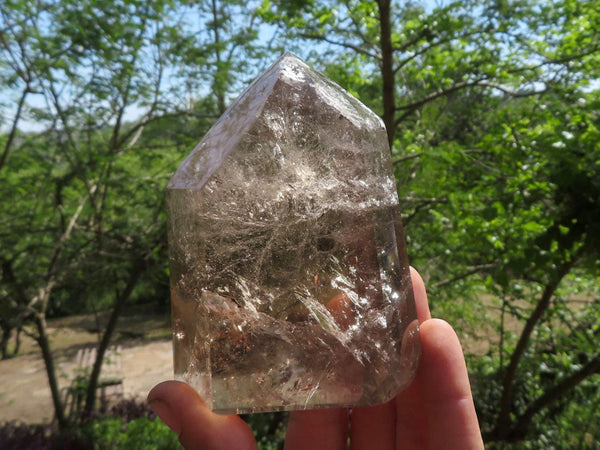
x: 146, y: 359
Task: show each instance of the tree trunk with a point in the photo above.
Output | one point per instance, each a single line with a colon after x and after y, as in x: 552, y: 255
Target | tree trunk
x: 17, y: 340
x: 44, y: 343
x: 506, y: 401
x: 90, y: 399
x: 387, y: 68
x: 4, y: 343
x: 218, y: 82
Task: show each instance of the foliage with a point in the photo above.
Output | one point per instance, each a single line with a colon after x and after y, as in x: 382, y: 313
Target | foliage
x: 142, y: 433
x: 104, y: 433
x: 129, y: 425
x: 219, y: 56
x: 268, y: 428
x: 89, y: 185
x: 492, y: 113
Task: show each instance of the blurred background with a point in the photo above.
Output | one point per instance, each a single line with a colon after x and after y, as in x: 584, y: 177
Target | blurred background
x: 492, y: 110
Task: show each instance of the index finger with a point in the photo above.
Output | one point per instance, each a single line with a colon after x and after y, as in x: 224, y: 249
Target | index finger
x: 444, y: 382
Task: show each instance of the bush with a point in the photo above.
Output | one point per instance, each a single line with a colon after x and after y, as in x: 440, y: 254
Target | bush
x: 129, y: 426
x: 269, y: 429
x: 18, y: 436
x: 139, y: 434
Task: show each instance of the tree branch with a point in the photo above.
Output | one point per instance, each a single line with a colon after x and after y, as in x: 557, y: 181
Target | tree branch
x: 406, y: 158
x: 358, y: 30
x: 410, y: 107
x: 557, y: 391
x: 422, y: 204
x: 510, y: 92
x: 135, y: 273
x: 151, y: 118
x: 13, y: 128
x: 356, y: 48
x: 508, y: 384
x: 388, y: 80
x: 427, y: 48
x: 473, y: 270
x: 549, y: 61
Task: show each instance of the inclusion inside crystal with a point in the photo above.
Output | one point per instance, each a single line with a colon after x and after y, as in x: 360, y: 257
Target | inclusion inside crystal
x: 289, y: 280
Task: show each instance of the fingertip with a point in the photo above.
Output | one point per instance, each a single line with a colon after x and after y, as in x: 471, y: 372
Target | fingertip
x: 438, y: 329
x: 172, y: 389
x: 443, y: 360
x: 420, y: 294
x: 159, y: 400
x: 185, y: 413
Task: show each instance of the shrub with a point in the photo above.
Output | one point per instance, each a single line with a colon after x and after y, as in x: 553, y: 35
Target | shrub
x: 129, y: 425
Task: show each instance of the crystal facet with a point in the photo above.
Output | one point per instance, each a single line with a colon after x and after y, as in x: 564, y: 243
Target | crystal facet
x: 289, y: 280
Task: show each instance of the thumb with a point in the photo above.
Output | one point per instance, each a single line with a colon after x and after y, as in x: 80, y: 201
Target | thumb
x: 184, y: 412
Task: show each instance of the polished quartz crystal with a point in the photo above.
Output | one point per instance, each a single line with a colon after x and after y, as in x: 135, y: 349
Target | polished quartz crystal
x: 289, y: 279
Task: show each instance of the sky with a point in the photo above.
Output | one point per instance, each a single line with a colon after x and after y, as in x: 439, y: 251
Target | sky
x: 9, y: 98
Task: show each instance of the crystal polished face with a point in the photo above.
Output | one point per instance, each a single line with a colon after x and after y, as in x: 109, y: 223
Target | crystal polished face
x: 289, y: 280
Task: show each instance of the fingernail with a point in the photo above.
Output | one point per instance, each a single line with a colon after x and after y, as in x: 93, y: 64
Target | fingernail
x: 163, y: 411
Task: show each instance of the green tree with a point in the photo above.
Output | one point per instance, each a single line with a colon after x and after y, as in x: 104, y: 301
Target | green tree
x: 492, y: 115
x: 90, y: 223
x: 491, y: 110
x: 94, y: 61
x: 219, y: 50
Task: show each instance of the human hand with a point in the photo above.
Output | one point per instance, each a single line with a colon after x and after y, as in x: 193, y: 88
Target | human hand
x: 436, y: 411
